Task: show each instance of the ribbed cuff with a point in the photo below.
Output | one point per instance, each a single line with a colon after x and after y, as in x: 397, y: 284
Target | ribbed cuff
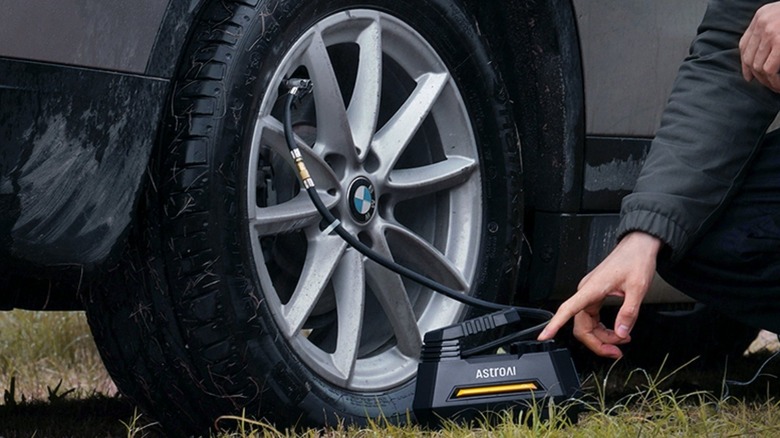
x: 655, y: 224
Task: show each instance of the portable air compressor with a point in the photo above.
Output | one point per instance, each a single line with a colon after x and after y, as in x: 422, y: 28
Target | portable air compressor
x: 455, y: 384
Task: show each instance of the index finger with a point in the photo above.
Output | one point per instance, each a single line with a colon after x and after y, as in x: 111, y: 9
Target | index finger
x: 565, y: 312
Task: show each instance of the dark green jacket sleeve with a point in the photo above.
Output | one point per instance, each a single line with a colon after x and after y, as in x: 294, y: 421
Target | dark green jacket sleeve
x: 712, y: 126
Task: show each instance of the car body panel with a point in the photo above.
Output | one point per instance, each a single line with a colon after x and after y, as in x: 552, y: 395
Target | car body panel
x: 110, y: 35
x: 82, y: 104
x: 631, y: 51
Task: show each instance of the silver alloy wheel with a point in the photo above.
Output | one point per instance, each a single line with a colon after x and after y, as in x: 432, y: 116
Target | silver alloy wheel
x: 385, y: 121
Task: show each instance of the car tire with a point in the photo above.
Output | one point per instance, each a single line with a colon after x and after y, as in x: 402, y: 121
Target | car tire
x: 232, y: 299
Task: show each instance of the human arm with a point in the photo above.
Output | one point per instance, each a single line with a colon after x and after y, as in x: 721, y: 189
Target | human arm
x: 710, y: 130
x: 627, y: 273
x: 759, y: 47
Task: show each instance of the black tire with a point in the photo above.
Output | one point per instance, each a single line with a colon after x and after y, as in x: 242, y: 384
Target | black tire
x: 196, y: 326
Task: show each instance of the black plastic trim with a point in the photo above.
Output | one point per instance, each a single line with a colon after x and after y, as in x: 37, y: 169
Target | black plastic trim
x: 536, y: 46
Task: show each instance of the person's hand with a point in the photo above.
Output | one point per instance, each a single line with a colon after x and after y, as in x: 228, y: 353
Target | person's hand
x: 627, y: 273
x: 759, y: 47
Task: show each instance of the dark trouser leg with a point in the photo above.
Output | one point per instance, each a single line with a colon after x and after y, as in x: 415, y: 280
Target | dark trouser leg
x: 735, y: 266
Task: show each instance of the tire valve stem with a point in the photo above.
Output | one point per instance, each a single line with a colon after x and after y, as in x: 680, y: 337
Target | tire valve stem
x: 299, y: 87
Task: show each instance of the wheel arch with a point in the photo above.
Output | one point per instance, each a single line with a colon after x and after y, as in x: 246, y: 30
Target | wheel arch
x: 172, y: 36
x: 537, y: 47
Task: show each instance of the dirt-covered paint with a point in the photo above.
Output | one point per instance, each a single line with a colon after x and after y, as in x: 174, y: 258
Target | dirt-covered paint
x: 76, y: 144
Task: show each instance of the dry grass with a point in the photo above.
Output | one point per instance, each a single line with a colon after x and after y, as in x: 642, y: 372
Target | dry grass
x: 52, y: 380
x: 42, y: 349
x: 38, y: 350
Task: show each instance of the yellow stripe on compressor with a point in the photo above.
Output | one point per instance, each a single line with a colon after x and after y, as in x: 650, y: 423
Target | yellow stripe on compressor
x: 495, y: 389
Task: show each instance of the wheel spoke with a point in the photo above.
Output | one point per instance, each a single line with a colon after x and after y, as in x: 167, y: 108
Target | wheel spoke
x: 391, y: 141
x: 433, y: 178
x: 333, y: 128
x: 350, y: 285
x: 392, y: 295
x: 273, y: 137
x: 295, y: 214
x: 421, y: 254
x: 364, y: 107
x: 325, y: 253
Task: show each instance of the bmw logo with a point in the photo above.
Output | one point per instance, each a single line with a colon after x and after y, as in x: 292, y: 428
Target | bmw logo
x: 362, y: 202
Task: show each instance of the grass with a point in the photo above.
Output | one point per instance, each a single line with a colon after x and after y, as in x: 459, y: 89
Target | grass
x: 650, y: 407
x: 52, y: 380
x: 55, y: 385
x: 42, y: 349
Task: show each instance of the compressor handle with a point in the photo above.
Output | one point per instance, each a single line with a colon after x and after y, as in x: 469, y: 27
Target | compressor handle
x: 484, y: 324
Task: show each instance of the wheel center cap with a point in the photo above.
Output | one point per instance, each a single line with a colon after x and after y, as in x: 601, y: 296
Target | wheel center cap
x: 362, y: 202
